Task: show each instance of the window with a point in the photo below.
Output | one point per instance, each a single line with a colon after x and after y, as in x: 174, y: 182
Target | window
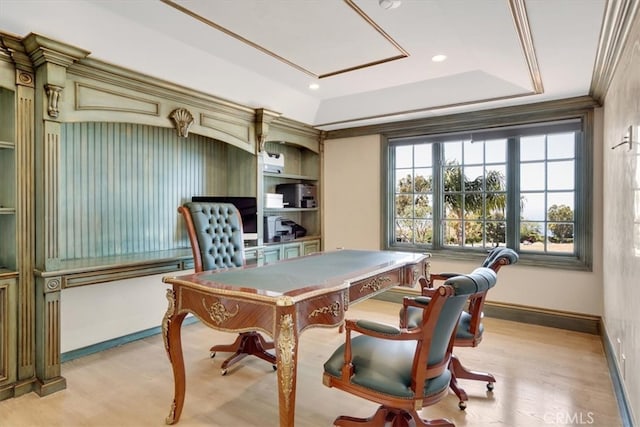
x: 519, y: 186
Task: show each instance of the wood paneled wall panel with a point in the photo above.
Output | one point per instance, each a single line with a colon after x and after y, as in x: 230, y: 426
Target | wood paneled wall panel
x: 120, y: 186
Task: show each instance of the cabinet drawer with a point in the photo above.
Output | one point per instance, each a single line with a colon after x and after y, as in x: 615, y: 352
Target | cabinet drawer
x: 365, y: 288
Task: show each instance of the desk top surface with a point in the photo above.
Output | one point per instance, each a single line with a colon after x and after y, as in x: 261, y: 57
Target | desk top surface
x: 296, y: 276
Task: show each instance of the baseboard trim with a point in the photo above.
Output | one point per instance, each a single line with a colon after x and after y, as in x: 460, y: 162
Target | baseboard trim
x: 521, y: 313
x: 619, y: 390
x: 105, y: 345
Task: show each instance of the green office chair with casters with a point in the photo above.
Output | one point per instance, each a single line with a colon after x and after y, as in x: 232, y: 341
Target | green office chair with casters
x: 470, y: 328
x: 404, y: 370
x: 215, y: 233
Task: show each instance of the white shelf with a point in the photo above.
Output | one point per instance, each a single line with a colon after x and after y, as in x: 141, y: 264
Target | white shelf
x: 7, y: 144
x: 290, y: 209
x: 290, y: 176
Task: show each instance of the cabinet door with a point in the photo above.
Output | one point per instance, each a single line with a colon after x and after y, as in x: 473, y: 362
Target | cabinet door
x: 251, y: 256
x: 291, y: 250
x: 271, y: 254
x: 311, y: 247
x: 8, y: 340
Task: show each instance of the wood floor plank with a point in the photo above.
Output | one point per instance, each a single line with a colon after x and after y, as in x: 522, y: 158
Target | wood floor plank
x: 545, y: 376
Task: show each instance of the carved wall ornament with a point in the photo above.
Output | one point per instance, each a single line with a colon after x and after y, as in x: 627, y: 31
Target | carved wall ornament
x: 53, y: 94
x: 375, y: 284
x: 24, y: 78
x: 183, y: 120
x: 218, y: 312
x: 333, y: 309
x: 53, y: 285
x: 286, y: 346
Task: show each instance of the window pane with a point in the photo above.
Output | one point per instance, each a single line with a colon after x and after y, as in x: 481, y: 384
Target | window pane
x: 473, y: 233
x: 404, y: 181
x: 404, y: 207
x: 533, y: 207
x: 404, y: 156
x: 495, y: 178
x: 561, y: 146
x: 473, y: 152
x: 473, y: 178
x: 404, y: 231
x: 561, y: 199
x: 532, y: 234
x: 532, y: 177
x: 423, y: 232
x: 560, y: 237
x: 496, y: 151
x: 453, y: 152
x: 496, y: 234
x: 452, y: 233
x: 452, y: 176
x: 453, y: 206
x: 532, y: 148
x: 423, y: 180
x: 422, y: 155
x: 422, y: 207
x: 560, y: 207
x: 560, y: 175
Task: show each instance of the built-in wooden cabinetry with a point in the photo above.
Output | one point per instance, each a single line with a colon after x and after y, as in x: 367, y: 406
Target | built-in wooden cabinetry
x: 8, y: 236
x: 94, y: 161
x: 299, y: 146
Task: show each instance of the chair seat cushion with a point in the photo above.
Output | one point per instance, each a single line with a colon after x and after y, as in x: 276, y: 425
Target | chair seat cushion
x: 384, y: 366
x: 414, y: 318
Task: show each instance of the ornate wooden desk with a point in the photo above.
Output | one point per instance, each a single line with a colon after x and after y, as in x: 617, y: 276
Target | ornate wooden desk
x: 281, y: 300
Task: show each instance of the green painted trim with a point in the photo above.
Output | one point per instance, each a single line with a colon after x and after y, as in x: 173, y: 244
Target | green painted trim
x: 554, y: 319
x: 115, y: 342
x: 624, y: 406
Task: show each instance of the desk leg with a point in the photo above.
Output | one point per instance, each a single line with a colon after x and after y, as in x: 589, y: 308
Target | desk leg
x: 171, y: 327
x: 286, y: 358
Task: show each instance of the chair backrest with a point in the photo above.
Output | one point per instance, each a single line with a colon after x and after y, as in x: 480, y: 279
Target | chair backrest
x: 500, y: 256
x: 473, y: 335
x: 215, y: 233
x: 440, y: 320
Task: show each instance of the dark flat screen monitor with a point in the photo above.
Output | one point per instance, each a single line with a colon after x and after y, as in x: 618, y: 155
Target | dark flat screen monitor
x: 247, y: 206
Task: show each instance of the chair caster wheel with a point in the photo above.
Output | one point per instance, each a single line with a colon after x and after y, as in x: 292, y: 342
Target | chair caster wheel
x: 275, y: 368
x: 212, y: 354
x: 462, y: 405
x: 223, y: 372
x: 490, y: 386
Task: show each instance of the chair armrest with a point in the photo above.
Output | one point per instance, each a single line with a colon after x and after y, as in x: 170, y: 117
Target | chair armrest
x: 380, y: 330
x: 418, y: 302
x: 375, y: 330
x: 428, y: 284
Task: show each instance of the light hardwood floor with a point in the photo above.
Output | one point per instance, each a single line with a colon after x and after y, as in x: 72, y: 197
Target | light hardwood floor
x: 545, y: 377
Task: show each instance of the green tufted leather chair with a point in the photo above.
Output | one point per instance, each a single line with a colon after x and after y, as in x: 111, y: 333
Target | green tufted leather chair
x: 470, y: 328
x: 404, y: 369
x: 215, y: 233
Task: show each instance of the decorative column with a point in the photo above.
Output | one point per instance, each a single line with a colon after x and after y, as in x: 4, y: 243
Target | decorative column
x: 50, y: 59
x: 24, y: 143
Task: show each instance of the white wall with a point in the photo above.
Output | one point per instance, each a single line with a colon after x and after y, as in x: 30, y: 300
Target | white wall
x: 621, y: 248
x: 96, y: 313
x: 352, y: 212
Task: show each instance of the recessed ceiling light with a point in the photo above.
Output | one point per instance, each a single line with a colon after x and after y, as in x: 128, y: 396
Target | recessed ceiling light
x: 439, y: 58
x: 314, y: 86
x: 389, y: 4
